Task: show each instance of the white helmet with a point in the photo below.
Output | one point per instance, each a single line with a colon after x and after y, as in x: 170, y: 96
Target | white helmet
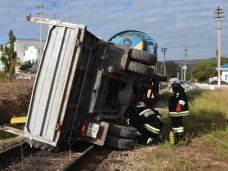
x: 140, y: 104
x: 174, y: 80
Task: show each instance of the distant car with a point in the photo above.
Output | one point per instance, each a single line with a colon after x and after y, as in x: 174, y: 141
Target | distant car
x: 216, y: 83
x: 187, y: 85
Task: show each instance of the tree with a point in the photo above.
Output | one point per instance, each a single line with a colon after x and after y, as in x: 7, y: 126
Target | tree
x: 171, y: 69
x: 26, y: 67
x: 9, y: 56
x: 224, y: 60
x: 205, y: 70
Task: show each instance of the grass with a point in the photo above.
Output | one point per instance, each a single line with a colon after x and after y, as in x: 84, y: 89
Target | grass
x: 10, y: 141
x: 220, y: 139
x: 3, y: 76
x: 208, y: 111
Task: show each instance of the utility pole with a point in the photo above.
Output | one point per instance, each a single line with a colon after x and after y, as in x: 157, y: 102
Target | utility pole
x: 182, y: 64
x: 218, y: 13
x: 54, y: 12
x: 40, y: 13
x: 164, y: 50
x: 185, y: 62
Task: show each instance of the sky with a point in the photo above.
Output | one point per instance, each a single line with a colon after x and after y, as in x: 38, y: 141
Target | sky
x: 173, y: 24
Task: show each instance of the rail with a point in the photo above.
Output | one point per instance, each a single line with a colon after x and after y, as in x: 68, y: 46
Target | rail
x: 22, y: 157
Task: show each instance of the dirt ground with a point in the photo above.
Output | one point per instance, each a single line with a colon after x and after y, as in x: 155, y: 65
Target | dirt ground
x: 14, y: 97
x: 199, y: 153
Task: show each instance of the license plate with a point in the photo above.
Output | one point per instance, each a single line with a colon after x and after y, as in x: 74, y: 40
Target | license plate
x: 92, y: 130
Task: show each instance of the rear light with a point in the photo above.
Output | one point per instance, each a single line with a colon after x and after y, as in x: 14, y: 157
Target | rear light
x: 84, y: 129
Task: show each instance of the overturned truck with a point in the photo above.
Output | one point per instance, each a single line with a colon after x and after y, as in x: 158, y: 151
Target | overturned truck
x: 83, y: 88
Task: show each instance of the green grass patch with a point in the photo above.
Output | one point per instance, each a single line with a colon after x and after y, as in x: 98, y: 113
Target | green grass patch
x: 208, y: 111
x: 220, y: 139
x: 3, y: 76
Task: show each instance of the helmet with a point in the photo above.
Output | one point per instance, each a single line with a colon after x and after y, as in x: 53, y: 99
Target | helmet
x: 140, y: 104
x: 174, y: 80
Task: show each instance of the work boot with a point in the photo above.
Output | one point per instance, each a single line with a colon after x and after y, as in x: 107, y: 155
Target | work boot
x: 141, y: 139
x: 179, y: 136
x: 172, y: 137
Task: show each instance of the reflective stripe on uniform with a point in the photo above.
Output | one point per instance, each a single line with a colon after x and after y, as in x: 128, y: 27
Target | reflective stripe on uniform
x: 178, y: 114
x: 149, y: 140
x: 146, y: 112
x: 179, y: 129
x: 152, y: 129
x: 150, y: 94
x: 182, y: 102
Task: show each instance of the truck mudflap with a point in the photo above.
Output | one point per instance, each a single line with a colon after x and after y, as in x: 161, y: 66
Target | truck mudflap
x: 95, y: 133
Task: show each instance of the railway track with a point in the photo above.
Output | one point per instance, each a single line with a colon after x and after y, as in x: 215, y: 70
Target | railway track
x: 81, y: 157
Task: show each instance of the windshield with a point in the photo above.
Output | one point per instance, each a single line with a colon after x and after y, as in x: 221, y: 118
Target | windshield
x: 150, y: 48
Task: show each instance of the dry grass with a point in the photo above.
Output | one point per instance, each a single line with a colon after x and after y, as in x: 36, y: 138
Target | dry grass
x: 9, y: 142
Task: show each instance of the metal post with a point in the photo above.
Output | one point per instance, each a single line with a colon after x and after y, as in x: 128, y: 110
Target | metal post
x: 40, y: 13
x: 218, y: 12
x: 182, y: 70
x: 164, y: 50
x: 54, y: 12
x: 185, y: 62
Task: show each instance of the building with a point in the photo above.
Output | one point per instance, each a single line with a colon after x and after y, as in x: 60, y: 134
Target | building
x: 27, y: 49
x: 224, y: 70
x: 224, y: 73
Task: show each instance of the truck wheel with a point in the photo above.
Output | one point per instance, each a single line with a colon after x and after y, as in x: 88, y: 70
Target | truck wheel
x: 142, y: 57
x: 122, y: 131
x: 119, y: 143
x: 139, y: 68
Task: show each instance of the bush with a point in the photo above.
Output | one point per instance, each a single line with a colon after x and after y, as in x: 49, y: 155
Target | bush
x: 3, y: 75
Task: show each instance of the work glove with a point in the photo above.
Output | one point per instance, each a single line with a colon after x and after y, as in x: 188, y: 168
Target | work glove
x: 178, y: 108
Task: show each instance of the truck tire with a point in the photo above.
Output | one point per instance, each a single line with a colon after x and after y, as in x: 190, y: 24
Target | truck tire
x: 142, y: 57
x: 122, y: 131
x: 139, y: 68
x: 119, y: 143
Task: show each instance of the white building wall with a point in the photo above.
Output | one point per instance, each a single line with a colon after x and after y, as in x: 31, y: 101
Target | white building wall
x: 31, y: 54
x: 22, y: 45
x: 225, y: 76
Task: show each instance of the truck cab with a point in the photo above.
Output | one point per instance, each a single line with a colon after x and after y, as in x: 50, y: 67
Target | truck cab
x: 136, y: 40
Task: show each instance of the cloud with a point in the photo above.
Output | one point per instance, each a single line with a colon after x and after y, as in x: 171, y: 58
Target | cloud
x: 174, y: 24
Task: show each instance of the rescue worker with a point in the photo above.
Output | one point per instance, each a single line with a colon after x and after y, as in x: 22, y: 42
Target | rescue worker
x: 147, y: 121
x: 178, y: 108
